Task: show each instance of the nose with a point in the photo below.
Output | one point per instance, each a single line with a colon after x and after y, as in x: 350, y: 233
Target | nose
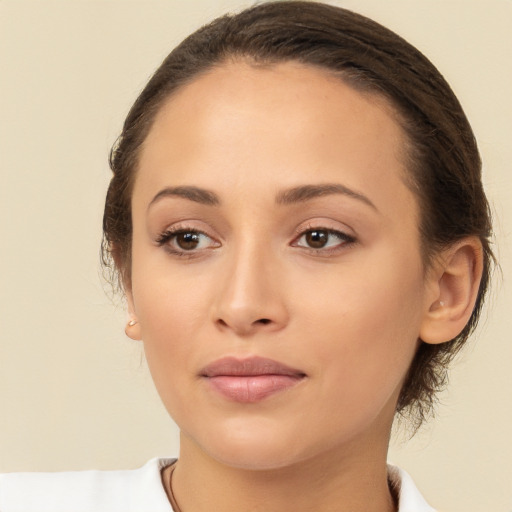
x: 251, y: 297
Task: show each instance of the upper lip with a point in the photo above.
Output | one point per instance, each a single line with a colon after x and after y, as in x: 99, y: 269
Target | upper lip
x: 247, y: 367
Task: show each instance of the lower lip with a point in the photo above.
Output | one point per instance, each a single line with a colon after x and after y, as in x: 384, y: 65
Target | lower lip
x: 252, y: 388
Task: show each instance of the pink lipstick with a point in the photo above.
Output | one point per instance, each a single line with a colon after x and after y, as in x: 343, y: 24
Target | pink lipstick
x: 250, y: 380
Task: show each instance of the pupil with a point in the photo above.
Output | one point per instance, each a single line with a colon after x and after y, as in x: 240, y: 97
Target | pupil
x: 187, y: 241
x: 316, y: 239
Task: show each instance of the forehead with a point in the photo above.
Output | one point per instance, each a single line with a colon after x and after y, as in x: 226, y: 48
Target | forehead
x: 295, y: 122
x: 292, y: 87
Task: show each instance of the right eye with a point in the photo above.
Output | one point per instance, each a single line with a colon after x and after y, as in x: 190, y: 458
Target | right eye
x: 181, y: 241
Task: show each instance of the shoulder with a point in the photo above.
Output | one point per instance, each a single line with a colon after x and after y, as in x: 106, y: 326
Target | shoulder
x: 409, y: 497
x: 101, y: 491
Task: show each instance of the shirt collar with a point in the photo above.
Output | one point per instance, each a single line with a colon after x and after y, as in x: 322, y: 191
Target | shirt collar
x: 409, y: 497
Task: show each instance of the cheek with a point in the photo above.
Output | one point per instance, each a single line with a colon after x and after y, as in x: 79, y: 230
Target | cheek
x: 364, y: 326
x: 168, y: 323
x: 169, y: 320
x: 171, y: 309
x: 169, y: 300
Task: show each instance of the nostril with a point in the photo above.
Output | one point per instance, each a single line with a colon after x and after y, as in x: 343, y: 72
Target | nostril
x: 243, y: 325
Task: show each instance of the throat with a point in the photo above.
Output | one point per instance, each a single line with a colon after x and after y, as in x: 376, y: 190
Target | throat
x: 257, y: 491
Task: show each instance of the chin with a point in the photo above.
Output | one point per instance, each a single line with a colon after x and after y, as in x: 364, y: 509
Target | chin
x: 254, y: 445
x: 255, y: 458
x: 260, y: 447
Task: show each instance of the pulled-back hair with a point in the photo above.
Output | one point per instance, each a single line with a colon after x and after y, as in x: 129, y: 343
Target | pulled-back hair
x: 443, y: 163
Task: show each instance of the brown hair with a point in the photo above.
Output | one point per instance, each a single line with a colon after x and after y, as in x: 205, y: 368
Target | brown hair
x: 442, y: 157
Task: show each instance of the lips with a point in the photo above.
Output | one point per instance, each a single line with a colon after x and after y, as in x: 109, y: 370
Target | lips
x: 250, y: 380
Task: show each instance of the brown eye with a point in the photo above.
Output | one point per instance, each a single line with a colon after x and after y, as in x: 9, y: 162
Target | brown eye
x: 183, y: 241
x: 188, y: 240
x: 317, y: 239
x: 323, y: 239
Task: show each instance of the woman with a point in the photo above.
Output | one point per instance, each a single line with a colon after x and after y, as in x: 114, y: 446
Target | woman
x: 297, y: 221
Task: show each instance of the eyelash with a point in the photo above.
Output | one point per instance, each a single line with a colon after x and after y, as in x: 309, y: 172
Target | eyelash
x: 169, y: 235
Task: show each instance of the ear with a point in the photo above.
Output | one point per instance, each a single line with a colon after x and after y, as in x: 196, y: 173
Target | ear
x: 454, y: 280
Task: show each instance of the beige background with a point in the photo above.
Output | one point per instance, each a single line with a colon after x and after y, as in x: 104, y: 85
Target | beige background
x: 74, y: 392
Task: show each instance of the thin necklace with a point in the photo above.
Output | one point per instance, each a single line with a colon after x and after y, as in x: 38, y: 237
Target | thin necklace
x: 172, y: 498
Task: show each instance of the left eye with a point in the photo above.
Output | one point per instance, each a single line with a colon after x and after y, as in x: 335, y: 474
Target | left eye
x: 322, y: 239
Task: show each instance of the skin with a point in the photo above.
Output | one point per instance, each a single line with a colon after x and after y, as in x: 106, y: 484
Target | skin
x: 348, y: 314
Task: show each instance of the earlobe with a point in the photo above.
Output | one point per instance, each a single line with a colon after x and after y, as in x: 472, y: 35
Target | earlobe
x: 455, y: 280
x: 132, y: 329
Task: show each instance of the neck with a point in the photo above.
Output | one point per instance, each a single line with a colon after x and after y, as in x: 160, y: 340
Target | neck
x: 332, y: 482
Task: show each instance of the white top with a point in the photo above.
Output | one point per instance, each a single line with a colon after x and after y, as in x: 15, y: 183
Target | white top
x: 138, y: 490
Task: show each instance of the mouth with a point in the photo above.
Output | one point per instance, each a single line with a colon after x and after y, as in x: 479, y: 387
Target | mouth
x: 250, y: 380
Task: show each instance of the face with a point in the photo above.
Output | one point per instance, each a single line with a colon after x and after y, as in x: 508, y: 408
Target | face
x: 277, y: 278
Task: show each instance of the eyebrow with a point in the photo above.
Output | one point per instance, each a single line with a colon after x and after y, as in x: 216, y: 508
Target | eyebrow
x: 307, y: 192
x: 196, y: 194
